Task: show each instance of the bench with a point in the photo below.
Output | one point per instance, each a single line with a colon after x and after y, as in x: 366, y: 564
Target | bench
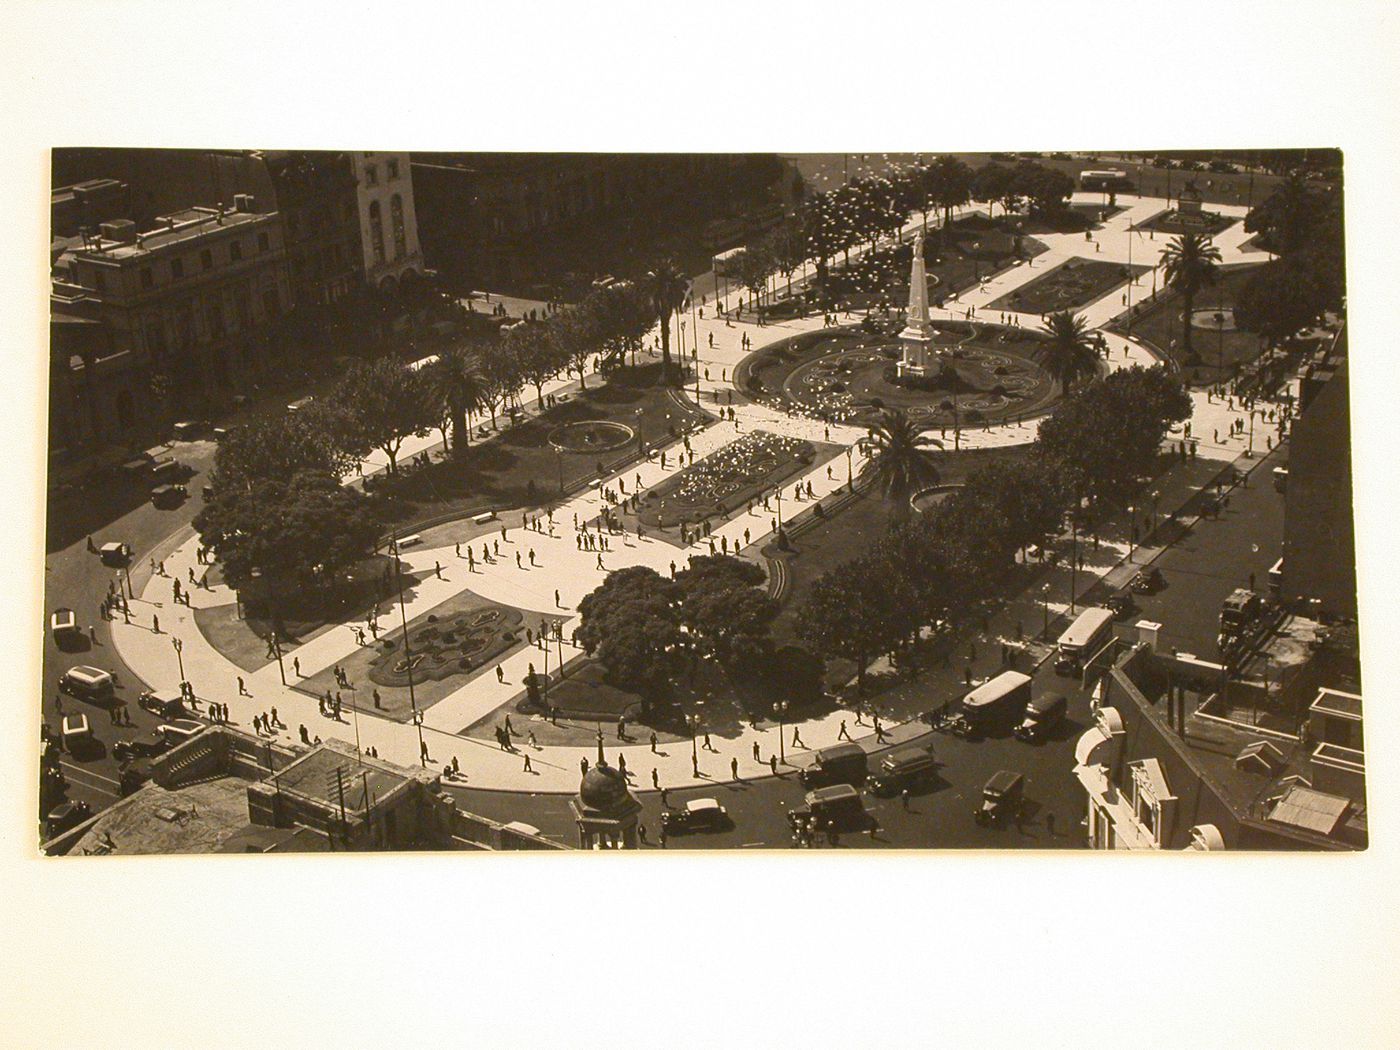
x: 410, y: 541
x: 484, y: 517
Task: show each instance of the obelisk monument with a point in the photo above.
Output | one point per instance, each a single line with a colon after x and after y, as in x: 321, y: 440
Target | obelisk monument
x: 917, y: 337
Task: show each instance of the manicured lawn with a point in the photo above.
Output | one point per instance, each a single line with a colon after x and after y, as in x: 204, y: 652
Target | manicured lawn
x: 1207, y: 222
x: 521, y: 466
x: 1161, y: 326
x: 439, y: 671
x: 1072, y: 284
x: 725, y: 480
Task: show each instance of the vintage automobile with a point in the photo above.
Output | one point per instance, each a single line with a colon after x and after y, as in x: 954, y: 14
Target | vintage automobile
x: 167, y: 703
x: 1148, y: 581
x: 76, y: 734
x: 65, y: 817
x: 114, y: 554
x: 698, y: 814
x: 1001, y: 797
x: 64, y: 625
x: 904, y: 767
x: 147, y: 745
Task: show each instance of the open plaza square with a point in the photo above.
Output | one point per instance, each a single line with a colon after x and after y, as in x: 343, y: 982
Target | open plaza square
x: 571, y: 557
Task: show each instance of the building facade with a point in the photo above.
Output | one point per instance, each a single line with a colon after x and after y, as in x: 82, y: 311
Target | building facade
x: 181, y: 314
x: 388, y: 219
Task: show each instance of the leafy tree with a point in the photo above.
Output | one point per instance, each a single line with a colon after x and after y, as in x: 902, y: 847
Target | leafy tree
x: 632, y: 625
x: 456, y: 381
x: 538, y: 357
x: 293, y: 533
x: 622, y: 314
x: 1190, y: 263
x: 1047, y: 189
x: 577, y: 335
x: 994, y: 183
x: 1068, y: 354
x: 850, y: 611
x: 752, y: 267
x: 1280, y: 298
x: 666, y: 287
x: 1106, y: 437
x: 1288, y: 216
x: 786, y: 246
x: 1028, y: 498
x: 952, y: 180
x: 900, y: 462
x: 275, y: 449
x: 380, y: 403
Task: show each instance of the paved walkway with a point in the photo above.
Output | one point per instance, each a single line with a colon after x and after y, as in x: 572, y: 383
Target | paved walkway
x: 561, y: 565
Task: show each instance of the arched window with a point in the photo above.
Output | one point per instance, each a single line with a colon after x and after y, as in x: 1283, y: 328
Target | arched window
x: 376, y: 232
x: 396, y: 214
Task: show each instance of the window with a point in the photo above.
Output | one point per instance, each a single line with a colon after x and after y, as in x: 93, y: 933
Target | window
x: 177, y: 268
x: 147, y: 278
x: 235, y: 250
x: 206, y: 259
x: 263, y: 242
x: 376, y: 232
x: 371, y: 175
x: 396, y: 213
x: 393, y: 167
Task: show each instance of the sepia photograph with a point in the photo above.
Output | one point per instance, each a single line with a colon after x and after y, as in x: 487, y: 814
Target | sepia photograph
x: 541, y: 501
x: 692, y: 527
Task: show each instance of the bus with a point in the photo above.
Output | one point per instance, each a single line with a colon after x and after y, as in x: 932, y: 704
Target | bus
x: 1108, y: 179
x: 1001, y: 701
x: 1082, y: 639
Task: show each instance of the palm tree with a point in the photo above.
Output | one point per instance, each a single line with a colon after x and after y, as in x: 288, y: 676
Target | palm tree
x: 1069, y: 353
x: 1190, y: 262
x: 458, y: 382
x: 667, y: 288
x: 900, y: 461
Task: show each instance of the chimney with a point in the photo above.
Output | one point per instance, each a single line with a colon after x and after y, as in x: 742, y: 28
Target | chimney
x: 1147, y: 633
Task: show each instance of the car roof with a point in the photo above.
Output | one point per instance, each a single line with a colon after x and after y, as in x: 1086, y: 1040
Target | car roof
x: 84, y: 671
x: 75, y: 723
x: 695, y: 805
x: 824, y: 794
x: 1003, y: 779
x: 909, y: 754
x: 184, y: 723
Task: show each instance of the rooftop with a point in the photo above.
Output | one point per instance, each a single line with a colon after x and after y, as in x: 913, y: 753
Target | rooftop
x: 199, y: 818
x: 189, y: 224
x: 315, y: 777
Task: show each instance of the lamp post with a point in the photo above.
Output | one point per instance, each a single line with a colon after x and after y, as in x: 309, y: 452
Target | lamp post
x: 780, y: 709
x: 850, y: 472
x: 277, y: 651
x: 1132, y: 530
x: 692, y: 721
x: 1045, y: 607
x: 179, y: 660
x: 778, y: 495
x: 407, y: 652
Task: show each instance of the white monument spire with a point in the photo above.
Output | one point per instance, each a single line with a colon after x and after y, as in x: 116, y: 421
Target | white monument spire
x: 917, y: 335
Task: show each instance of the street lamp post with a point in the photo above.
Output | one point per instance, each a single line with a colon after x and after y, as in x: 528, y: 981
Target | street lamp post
x: 407, y: 651
x: 1132, y: 531
x: 1045, y: 607
x: 850, y: 472
x: 179, y: 660
x: 693, y: 722
x: 780, y: 709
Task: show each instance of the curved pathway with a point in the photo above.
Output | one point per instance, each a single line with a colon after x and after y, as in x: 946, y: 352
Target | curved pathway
x: 574, y: 573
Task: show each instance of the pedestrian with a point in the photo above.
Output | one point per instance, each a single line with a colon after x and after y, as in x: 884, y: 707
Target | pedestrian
x: 661, y: 837
x: 557, y: 603
x: 155, y: 624
x: 92, y: 634
x: 622, y: 764
x: 734, y: 768
x: 773, y: 764
x: 527, y: 768
x: 296, y: 666
x: 583, y: 765
x: 797, y: 738
x: 241, y: 690
x: 275, y: 720
x: 653, y: 743
x: 655, y: 779
x: 841, y: 734
x: 422, y: 747
x: 642, y: 834
x: 756, y: 756
x: 904, y: 798
x: 622, y: 729
x: 500, y: 674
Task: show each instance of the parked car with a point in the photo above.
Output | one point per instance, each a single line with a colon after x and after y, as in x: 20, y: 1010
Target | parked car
x: 1121, y: 603
x: 1148, y: 581
x: 114, y: 554
x: 65, y: 817
x: 88, y: 683
x: 903, y: 768
x: 1001, y: 797
x: 147, y: 745
x: 64, y: 625
x: 76, y: 735
x: 167, y: 703
x: 698, y: 814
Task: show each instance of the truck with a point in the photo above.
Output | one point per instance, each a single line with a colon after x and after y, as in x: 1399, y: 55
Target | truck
x: 1082, y: 639
x: 997, y: 703
x: 1238, y: 614
x: 838, y: 764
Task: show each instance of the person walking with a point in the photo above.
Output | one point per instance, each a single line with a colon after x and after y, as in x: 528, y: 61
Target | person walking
x: 653, y: 743
x: 842, y: 733
x: 797, y: 738
x: 500, y: 674
x: 241, y: 690
x: 756, y: 755
x: 773, y: 764
x: 734, y: 768
x: 527, y: 768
